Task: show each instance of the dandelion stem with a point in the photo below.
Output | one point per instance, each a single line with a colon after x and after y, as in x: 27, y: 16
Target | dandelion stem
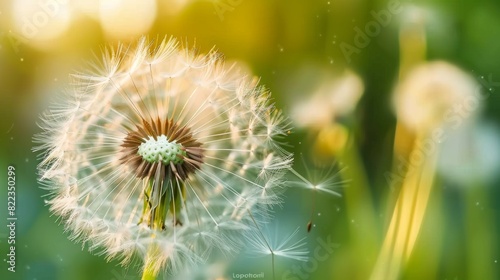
x: 148, y: 275
x: 272, y: 264
x: 407, y: 218
x: 150, y: 272
x: 359, y: 208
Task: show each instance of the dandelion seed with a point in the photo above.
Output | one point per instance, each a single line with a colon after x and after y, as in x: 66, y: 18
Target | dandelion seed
x: 287, y: 246
x: 160, y: 153
x: 321, y: 178
x: 324, y: 180
x: 309, y: 225
x: 262, y: 243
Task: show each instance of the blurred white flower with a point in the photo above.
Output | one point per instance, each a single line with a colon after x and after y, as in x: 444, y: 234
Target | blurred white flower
x: 435, y: 94
x: 471, y: 155
x: 161, y: 152
x: 38, y: 23
x: 89, y: 8
x: 334, y: 97
x: 315, y: 112
x: 125, y: 18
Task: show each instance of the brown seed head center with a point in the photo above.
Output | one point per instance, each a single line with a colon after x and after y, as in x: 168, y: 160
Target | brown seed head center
x: 162, y: 148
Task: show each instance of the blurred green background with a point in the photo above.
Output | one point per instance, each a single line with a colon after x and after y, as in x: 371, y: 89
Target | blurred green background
x: 288, y: 44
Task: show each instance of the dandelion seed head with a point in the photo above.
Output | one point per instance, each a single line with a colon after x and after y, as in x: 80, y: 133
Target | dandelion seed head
x: 471, y: 155
x: 429, y: 95
x: 160, y: 147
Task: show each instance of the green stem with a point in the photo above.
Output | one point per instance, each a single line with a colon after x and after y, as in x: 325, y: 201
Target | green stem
x: 360, y: 210
x: 272, y: 263
x: 149, y: 264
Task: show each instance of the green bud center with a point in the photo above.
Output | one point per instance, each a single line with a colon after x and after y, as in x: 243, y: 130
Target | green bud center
x: 160, y: 149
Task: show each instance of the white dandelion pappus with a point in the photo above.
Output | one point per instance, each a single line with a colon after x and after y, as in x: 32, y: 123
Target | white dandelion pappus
x: 162, y: 152
x: 265, y: 242
x: 322, y: 178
